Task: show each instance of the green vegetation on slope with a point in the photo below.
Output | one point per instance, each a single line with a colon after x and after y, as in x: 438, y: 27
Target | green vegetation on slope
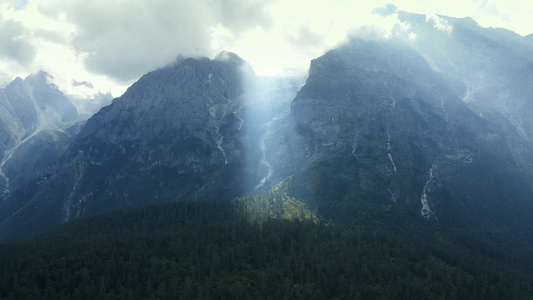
x: 232, y: 250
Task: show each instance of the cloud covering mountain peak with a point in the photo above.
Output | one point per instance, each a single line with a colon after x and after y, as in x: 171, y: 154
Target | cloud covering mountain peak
x: 111, y: 44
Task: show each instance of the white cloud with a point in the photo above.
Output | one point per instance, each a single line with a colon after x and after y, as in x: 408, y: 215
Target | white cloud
x: 115, y: 42
x: 16, y: 43
x: 440, y: 23
x: 124, y: 39
x: 18, y: 49
x: 112, y: 43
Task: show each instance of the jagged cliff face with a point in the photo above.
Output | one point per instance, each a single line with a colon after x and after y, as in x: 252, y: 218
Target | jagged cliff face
x: 28, y: 108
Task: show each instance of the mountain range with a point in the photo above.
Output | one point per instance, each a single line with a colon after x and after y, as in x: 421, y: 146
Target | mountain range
x: 436, y: 125
x: 431, y: 123
x: 409, y: 155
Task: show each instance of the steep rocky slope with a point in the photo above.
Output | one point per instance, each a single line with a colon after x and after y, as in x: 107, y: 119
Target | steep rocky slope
x: 29, y: 107
x: 382, y: 124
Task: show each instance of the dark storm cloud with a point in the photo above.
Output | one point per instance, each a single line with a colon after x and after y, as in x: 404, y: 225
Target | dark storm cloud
x: 124, y: 39
x: 15, y: 43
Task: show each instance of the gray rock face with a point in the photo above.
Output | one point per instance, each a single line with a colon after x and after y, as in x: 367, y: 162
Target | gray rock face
x: 364, y: 83
x: 28, y: 107
x: 367, y: 99
x: 186, y: 115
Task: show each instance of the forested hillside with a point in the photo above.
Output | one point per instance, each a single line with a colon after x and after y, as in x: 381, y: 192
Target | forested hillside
x: 230, y: 250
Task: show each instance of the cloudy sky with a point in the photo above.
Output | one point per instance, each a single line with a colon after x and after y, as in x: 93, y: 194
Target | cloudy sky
x: 111, y: 43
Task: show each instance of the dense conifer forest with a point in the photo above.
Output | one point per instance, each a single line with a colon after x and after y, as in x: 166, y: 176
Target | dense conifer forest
x: 235, y: 250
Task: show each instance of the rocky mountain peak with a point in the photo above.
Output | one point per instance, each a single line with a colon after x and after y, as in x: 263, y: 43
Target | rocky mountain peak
x: 185, y: 95
x: 40, y: 78
x: 37, y: 96
x: 229, y: 56
x: 28, y: 108
x: 180, y: 128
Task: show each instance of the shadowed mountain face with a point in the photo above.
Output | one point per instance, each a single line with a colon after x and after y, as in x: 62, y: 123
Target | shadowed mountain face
x: 385, y: 126
x: 433, y: 128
